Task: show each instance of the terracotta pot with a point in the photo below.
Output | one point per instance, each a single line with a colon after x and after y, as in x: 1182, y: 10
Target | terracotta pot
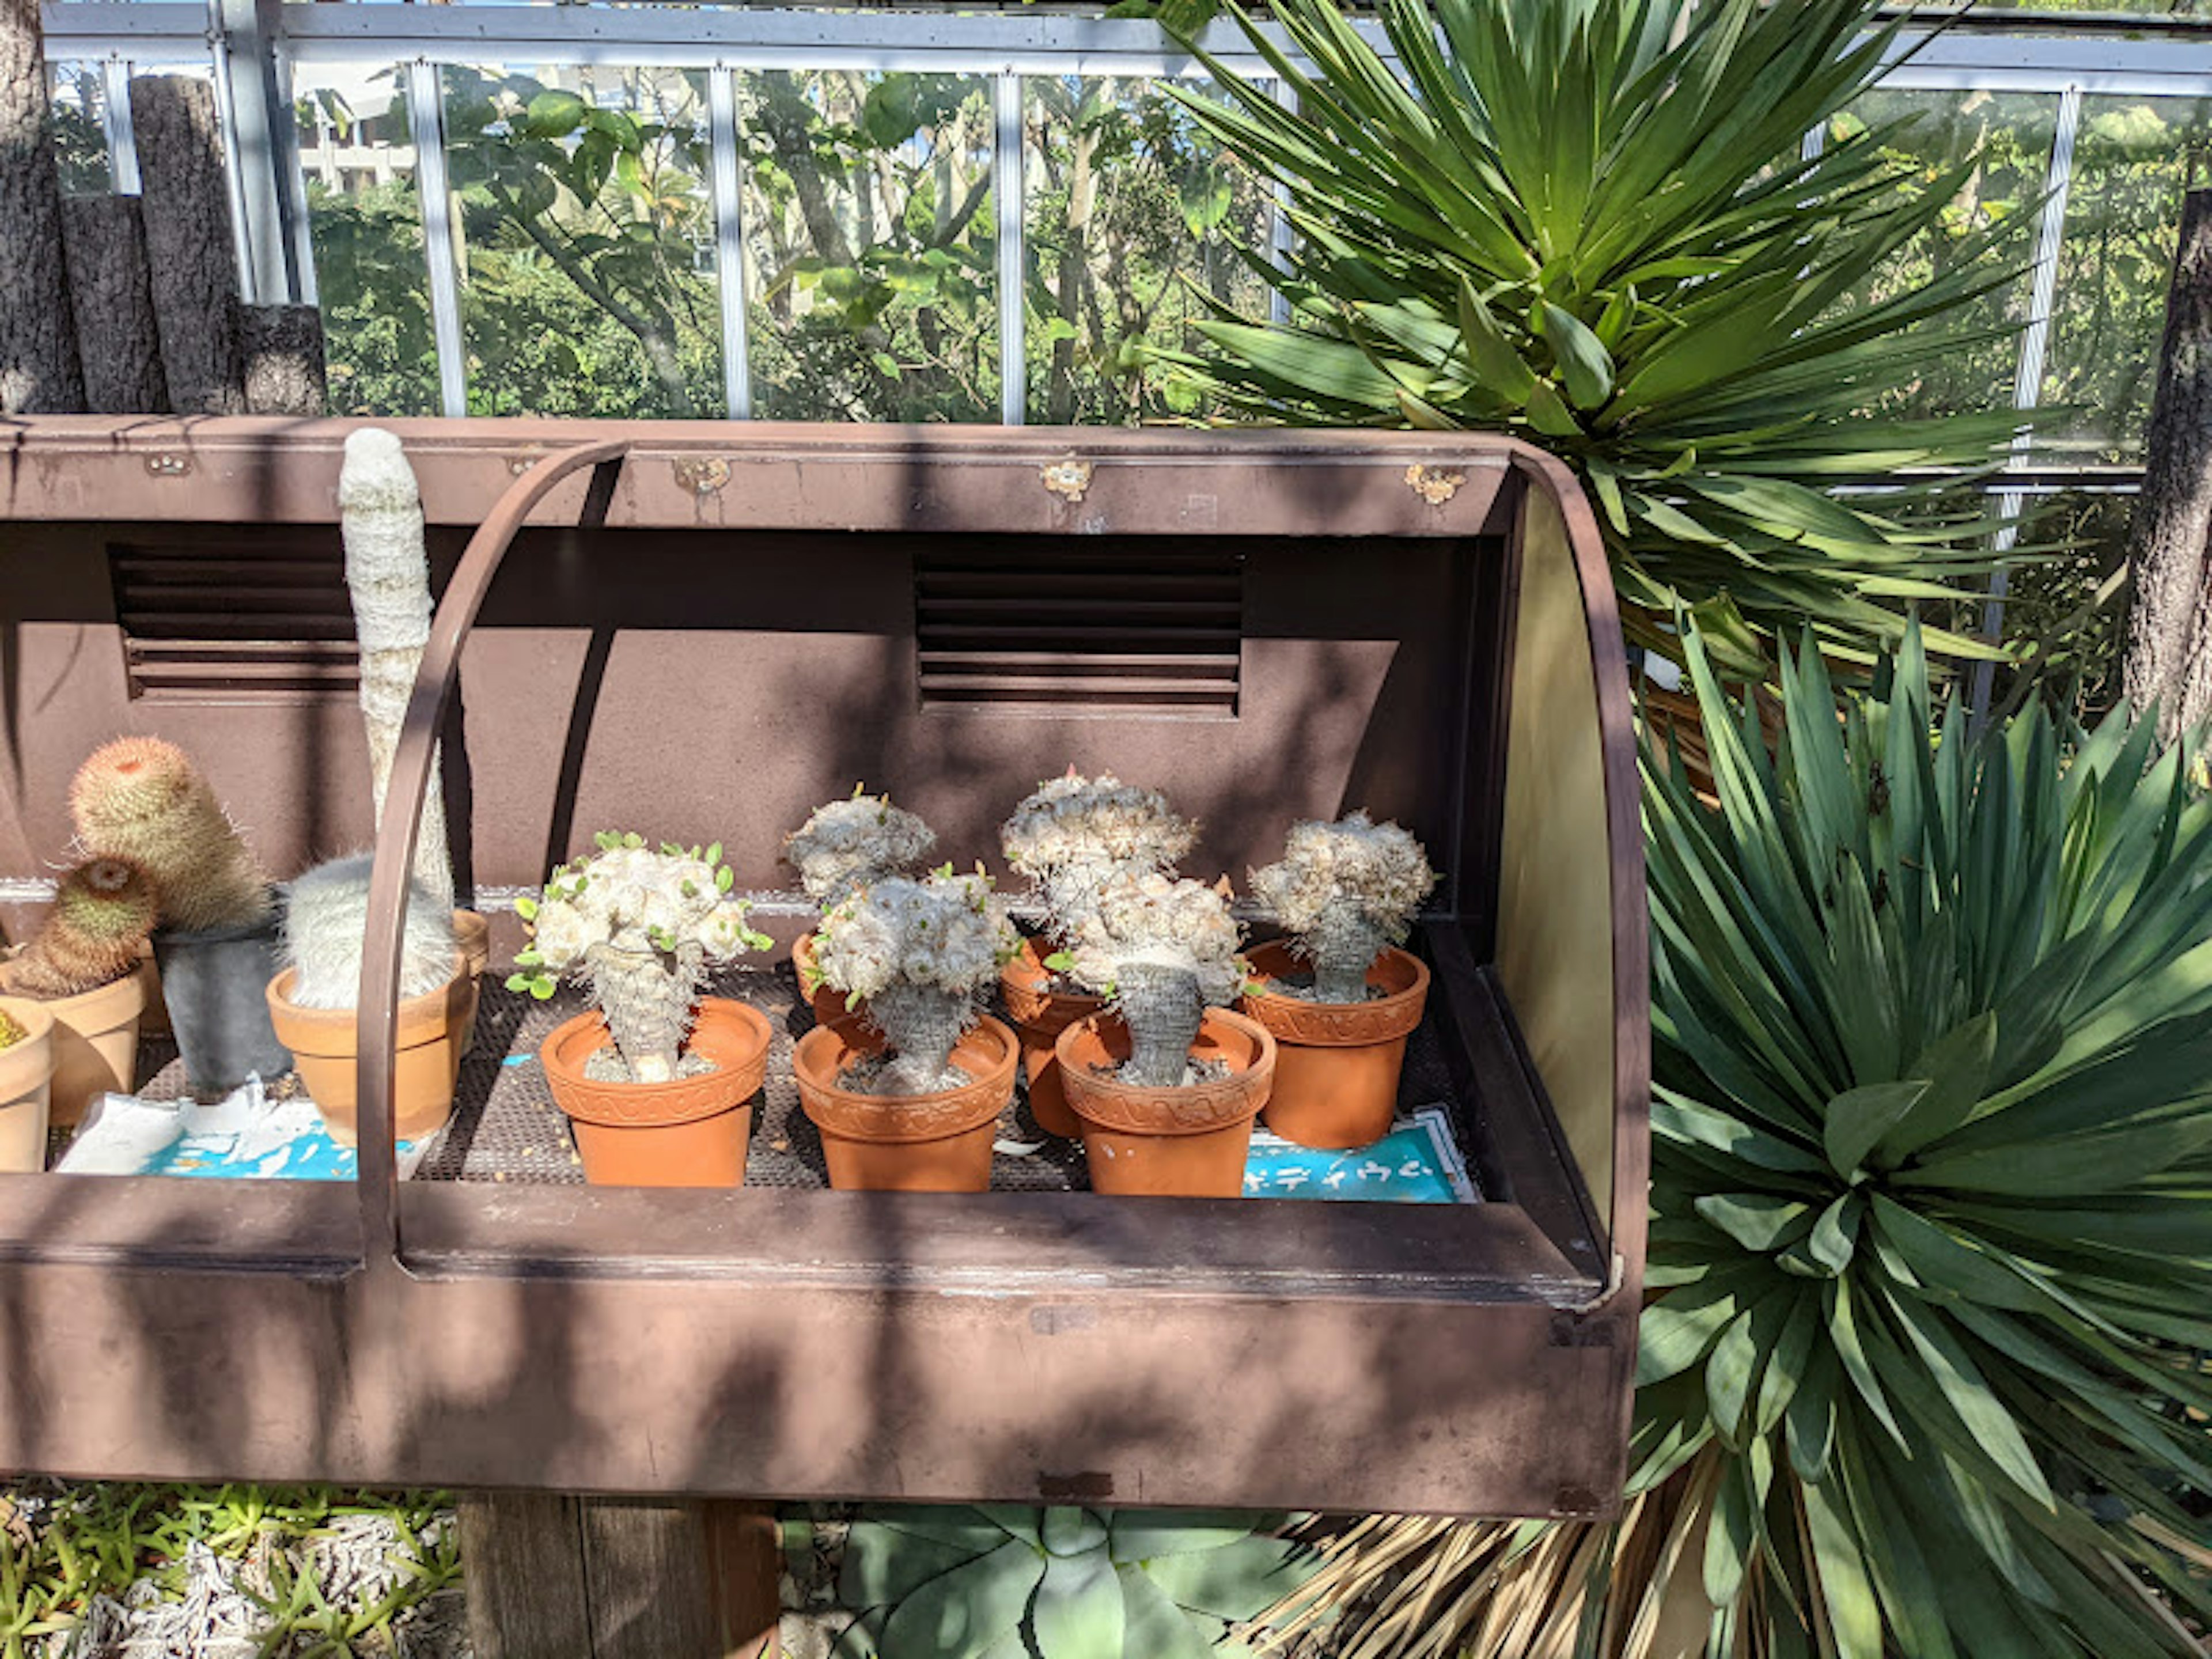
x: 932, y: 1143
x: 1337, y: 1063
x: 1041, y: 1014
x: 325, y: 1051
x: 26, y: 1068
x: 828, y: 1005
x: 688, y: 1131
x: 95, y: 1046
x: 472, y: 938
x: 1189, y: 1141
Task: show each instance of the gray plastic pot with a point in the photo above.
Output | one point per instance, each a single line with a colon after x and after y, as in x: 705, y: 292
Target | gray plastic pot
x: 216, y: 985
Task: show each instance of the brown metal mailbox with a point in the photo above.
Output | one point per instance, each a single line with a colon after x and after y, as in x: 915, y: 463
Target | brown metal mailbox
x: 702, y: 629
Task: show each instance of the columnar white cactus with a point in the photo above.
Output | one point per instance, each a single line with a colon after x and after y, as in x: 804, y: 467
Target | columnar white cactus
x: 1345, y: 890
x: 326, y: 923
x: 1166, y: 951
x: 916, y: 958
x: 846, y: 845
x: 1075, y: 834
x: 388, y: 576
x: 641, y: 926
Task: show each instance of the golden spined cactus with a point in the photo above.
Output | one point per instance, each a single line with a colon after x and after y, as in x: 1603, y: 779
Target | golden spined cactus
x: 142, y: 799
x: 94, y: 936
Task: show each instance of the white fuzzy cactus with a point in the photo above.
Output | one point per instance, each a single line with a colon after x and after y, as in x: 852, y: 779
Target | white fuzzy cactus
x: 1166, y: 951
x: 326, y: 923
x: 388, y: 578
x: 846, y: 845
x: 641, y: 926
x: 1345, y: 890
x: 916, y: 958
x: 1076, y: 834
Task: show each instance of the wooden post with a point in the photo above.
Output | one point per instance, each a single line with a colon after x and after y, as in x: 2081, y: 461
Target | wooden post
x: 186, y: 210
x: 555, y: 1577
x: 284, y: 350
x: 2169, y: 655
x: 112, y: 295
x: 39, y: 372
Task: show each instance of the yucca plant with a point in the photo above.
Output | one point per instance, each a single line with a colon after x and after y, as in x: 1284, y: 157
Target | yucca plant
x: 1592, y: 222
x: 1925, y: 1369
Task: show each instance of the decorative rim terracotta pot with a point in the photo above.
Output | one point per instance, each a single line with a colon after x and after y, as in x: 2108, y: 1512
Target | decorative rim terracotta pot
x: 325, y: 1051
x: 1041, y: 1014
x: 95, y: 1042
x: 1190, y: 1142
x: 828, y: 1005
x: 1337, y: 1063
x: 934, y: 1143
x: 26, y: 1068
x: 688, y: 1132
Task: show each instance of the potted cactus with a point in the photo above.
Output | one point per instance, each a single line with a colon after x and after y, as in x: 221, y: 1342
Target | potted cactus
x: 86, y: 966
x: 843, y: 846
x: 1339, y: 996
x: 26, y: 1066
x: 1070, y: 837
x: 313, y: 1002
x: 1168, y: 1080
x: 142, y: 800
x: 656, y: 1080
x: 907, y: 1096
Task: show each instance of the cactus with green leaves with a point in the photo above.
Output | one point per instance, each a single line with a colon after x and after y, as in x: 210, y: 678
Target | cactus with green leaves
x: 1164, y: 952
x: 142, y: 800
x: 641, y: 927
x: 1345, y: 892
x: 95, y: 935
x: 847, y: 844
x: 327, y: 925
x: 916, y: 958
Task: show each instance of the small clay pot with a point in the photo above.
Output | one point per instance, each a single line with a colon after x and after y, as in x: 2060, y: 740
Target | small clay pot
x: 934, y: 1143
x: 95, y: 1045
x: 1337, y: 1063
x: 26, y: 1066
x: 1041, y: 1014
x: 1190, y: 1142
x: 472, y: 938
x: 215, y: 983
x: 828, y: 1004
x: 688, y: 1132
x: 325, y: 1047
x: 153, y: 1021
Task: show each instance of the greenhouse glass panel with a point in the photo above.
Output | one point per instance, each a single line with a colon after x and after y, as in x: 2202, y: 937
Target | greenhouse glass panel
x: 357, y: 151
x: 870, y: 244
x: 2057, y: 600
x: 2133, y: 159
x: 80, y: 110
x: 1135, y: 221
x: 585, y: 232
x: 2007, y: 135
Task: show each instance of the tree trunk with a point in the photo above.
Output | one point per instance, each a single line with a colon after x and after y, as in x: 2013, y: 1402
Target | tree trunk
x: 111, y: 293
x: 2169, y: 656
x: 284, y: 350
x: 39, y: 372
x: 186, y: 210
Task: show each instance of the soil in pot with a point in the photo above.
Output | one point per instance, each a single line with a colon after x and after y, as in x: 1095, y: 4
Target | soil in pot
x: 938, y: 1142
x: 1189, y: 1141
x: 828, y: 1003
x: 1336, y: 1063
x: 325, y: 1047
x: 690, y: 1132
x: 1041, y: 1011
x: 26, y: 1066
x: 216, y: 984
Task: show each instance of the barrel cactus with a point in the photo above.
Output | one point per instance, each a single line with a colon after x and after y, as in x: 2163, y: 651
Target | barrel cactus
x: 845, y: 845
x: 327, y: 923
x: 640, y: 927
x: 916, y: 958
x: 1164, y: 952
x: 142, y: 800
x: 95, y: 935
x: 1345, y: 890
x: 1076, y: 834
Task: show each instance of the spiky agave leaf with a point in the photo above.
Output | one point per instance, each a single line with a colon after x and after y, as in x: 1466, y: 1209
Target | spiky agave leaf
x: 1588, y: 222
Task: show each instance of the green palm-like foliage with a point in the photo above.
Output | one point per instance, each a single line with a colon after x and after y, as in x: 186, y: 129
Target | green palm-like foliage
x: 1933, y: 1147
x: 1589, y: 221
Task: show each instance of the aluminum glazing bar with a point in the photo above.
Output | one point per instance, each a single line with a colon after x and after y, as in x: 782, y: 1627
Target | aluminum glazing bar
x: 115, y: 122
x: 1007, y: 192
x: 729, y: 239
x: 426, y: 108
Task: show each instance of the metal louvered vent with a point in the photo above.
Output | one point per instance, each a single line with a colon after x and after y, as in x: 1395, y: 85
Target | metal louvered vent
x: 249, y: 619
x: 1113, y: 630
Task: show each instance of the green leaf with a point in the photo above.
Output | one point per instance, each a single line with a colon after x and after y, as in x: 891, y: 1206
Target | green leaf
x: 1989, y: 1425
x: 1140, y: 1534
x: 959, y: 1614
x: 1758, y: 1221
x: 1152, y: 1624
x: 1070, y: 1532
x: 1857, y: 1120
x: 882, y: 1565
x: 1835, y: 1235
x: 1078, y: 1611
x: 1584, y: 363
x: 1238, y: 1581
x: 527, y: 908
